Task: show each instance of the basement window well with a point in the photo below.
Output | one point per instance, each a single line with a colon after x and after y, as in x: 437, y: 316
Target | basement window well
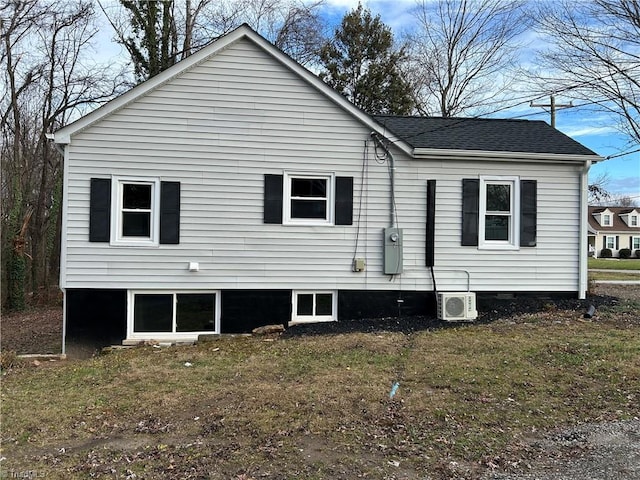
x: 172, y: 314
x: 310, y: 307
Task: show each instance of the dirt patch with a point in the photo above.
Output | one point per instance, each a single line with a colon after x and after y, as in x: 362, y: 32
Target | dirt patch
x: 37, y: 330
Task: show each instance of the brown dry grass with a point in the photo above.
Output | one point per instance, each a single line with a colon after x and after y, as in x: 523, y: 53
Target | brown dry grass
x: 319, y: 407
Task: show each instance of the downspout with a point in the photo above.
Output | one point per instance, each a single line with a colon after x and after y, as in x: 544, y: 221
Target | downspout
x: 583, y: 271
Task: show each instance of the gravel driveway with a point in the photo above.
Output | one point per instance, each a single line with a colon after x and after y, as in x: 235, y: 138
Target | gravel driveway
x: 596, y: 451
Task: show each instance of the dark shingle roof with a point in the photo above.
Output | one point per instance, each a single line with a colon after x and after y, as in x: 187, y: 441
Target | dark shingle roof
x: 485, y: 134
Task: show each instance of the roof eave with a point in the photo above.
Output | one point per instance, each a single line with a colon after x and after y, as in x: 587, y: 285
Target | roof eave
x: 435, y: 153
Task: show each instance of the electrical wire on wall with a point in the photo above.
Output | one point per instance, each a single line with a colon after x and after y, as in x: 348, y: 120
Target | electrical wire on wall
x: 382, y: 158
x: 363, y: 194
x: 383, y: 155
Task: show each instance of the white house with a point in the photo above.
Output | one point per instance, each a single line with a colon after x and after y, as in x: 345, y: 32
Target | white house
x: 236, y: 189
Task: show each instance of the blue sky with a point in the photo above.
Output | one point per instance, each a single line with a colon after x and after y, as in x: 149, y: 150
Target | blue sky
x: 595, y: 131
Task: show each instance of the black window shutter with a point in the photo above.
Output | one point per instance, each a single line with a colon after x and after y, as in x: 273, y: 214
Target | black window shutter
x: 100, y: 210
x: 431, y: 223
x: 170, y: 212
x: 528, y: 213
x: 470, y: 206
x: 273, y: 198
x: 604, y: 242
x: 617, y: 242
x: 344, y: 201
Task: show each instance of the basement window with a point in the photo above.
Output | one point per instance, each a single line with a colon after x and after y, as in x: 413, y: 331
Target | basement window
x: 309, y: 307
x: 167, y: 314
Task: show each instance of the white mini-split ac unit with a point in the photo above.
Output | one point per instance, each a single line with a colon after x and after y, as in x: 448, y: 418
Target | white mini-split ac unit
x: 457, y: 306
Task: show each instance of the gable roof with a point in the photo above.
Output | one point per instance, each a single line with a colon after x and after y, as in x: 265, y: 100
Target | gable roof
x: 617, y: 224
x: 483, y: 134
x: 471, y: 137
x: 63, y: 135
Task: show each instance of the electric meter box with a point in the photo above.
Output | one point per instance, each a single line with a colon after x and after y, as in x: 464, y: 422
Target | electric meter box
x: 392, y: 251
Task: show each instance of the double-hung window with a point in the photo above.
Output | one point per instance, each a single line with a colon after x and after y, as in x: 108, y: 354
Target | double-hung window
x: 606, y: 220
x: 136, y: 213
x: 635, y: 243
x: 634, y: 220
x: 308, y: 199
x: 610, y: 242
x: 499, y: 207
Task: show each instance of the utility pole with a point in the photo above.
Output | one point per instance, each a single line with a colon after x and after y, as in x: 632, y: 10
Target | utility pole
x: 553, y: 105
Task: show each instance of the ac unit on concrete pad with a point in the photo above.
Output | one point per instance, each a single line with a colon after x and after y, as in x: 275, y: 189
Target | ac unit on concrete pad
x: 457, y: 306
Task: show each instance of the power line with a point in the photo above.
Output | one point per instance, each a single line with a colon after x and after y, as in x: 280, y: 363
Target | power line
x: 553, y: 105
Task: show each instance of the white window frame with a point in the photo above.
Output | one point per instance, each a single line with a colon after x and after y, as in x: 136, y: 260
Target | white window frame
x: 513, y: 243
x: 330, y: 198
x: 633, y: 245
x: 613, y: 242
x: 131, y: 334
x: 117, y: 190
x: 295, y: 318
x: 633, y: 220
x: 606, y: 220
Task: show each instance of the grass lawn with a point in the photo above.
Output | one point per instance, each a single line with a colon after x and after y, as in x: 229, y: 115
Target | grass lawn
x: 319, y: 406
x: 615, y: 263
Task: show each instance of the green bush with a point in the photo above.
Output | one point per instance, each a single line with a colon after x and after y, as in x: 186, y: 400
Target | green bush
x: 606, y: 253
x: 637, y: 253
x: 624, y: 253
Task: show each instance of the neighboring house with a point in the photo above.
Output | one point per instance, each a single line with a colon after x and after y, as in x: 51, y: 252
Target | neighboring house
x: 236, y: 189
x: 614, y: 228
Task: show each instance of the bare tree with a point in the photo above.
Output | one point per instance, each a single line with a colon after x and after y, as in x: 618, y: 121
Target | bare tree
x: 461, y: 53
x: 598, y: 190
x: 623, y: 201
x: 47, y: 77
x: 159, y: 34
x: 595, y: 56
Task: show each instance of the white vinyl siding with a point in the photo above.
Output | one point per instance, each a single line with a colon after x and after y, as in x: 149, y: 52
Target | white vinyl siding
x: 221, y: 126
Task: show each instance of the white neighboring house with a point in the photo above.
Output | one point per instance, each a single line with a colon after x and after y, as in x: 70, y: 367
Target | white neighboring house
x: 614, y: 228
x: 236, y: 189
